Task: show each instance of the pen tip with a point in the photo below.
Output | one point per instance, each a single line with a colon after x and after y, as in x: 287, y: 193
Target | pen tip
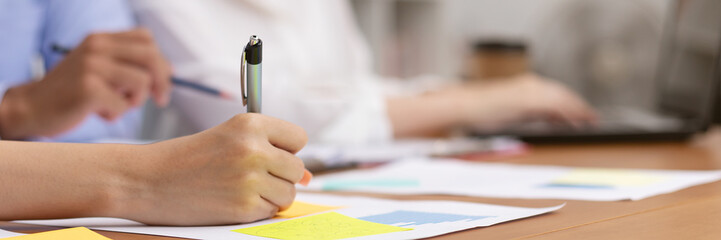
x: 227, y: 96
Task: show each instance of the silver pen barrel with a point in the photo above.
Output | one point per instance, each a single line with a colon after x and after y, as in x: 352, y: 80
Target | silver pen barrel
x: 254, y: 73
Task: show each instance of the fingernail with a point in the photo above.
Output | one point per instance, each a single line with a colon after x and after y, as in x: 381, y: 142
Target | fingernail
x: 307, y: 176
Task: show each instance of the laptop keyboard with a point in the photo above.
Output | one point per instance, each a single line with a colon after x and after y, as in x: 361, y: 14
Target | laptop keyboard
x: 611, y: 121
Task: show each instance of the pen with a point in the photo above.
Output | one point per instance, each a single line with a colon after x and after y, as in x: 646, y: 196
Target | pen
x: 251, y: 74
x: 180, y: 82
x: 251, y: 69
x: 176, y: 81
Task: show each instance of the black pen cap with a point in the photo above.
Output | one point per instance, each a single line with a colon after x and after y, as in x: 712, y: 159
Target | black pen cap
x: 254, y: 52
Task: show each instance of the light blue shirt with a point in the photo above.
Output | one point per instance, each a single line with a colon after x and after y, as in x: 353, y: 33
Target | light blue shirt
x: 29, y: 28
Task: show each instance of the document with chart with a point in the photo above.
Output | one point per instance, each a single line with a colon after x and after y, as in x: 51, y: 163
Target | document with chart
x: 457, y: 177
x: 322, y: 216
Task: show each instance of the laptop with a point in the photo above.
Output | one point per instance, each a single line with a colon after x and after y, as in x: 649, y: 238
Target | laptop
x: 688, y: 79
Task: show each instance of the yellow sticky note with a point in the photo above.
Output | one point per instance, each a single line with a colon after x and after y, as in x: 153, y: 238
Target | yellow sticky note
x: 324, y: 226
x: 298, y: 209
x: 78, y: 233
x: 608, y: 177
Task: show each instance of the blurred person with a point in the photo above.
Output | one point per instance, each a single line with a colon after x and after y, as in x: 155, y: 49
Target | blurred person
x: 606, y: 50
x: 92, y: 93
x: 317, y: 73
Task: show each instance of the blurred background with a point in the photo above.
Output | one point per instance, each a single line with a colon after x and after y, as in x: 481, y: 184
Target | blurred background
x: 605, y: 50
x: 619, y: 55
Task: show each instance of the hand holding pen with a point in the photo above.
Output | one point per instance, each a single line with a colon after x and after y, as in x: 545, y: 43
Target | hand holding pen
x: 107, y: 74
x: 251, y: 69
x: 176, y: 81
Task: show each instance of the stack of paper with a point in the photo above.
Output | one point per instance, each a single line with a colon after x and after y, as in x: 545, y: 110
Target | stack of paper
x: 446, y: 176
x: 319, y: 216
x: 319, y: 157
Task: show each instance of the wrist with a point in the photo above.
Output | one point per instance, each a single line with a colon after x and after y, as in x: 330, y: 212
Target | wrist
x: 457, y: 107
x: 136, y: 187
x: 126, y: 185
x: 14, y: 113
x: 469, y: 103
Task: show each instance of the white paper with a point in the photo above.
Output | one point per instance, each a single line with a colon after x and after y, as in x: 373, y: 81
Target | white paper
x: 456, y: 177
x: 6, y: 234
x: 357, y: 207
x: 342, y: 155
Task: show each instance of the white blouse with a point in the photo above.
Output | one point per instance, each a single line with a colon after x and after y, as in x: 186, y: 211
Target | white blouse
x: 316, y: 66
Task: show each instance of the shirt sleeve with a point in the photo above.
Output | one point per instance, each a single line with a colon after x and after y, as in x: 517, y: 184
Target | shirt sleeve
x: 68, y: 22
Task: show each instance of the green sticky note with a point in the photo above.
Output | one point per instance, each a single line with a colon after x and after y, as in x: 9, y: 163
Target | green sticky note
x: 325, y: 226
x: 607, y: 177
x: 331, y: 185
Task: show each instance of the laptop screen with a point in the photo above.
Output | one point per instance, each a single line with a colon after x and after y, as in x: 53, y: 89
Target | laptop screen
x: 688, y: 67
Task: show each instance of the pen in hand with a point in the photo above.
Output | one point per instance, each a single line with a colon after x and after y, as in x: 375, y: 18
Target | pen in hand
x: 180, y: 82
x: 176, y: 81
x: 251, y: 69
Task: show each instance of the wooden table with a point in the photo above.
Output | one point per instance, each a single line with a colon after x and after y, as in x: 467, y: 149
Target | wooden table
x: 692, y: 213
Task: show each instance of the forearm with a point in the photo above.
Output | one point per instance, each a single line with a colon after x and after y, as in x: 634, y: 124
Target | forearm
x: 56, y: 180
x: 423, y: 115
x: 240, y: 171
x: 471, y: 105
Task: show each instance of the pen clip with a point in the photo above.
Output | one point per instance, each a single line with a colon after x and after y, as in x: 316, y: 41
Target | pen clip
x: 243, y: 66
